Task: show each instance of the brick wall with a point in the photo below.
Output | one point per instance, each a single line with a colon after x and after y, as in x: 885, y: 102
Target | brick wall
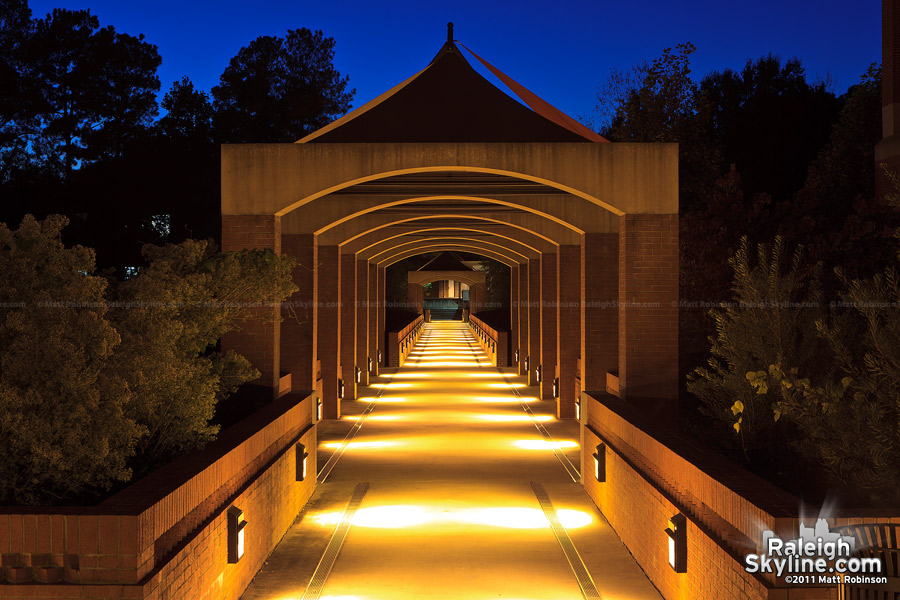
x: 258, y: 339
x: 164, y: 537
x: 513, y: 310
x: 348, y: 324
x: 298, y: 325
x: 548, y: 310
x: 653, y: 474
x: 327, y: 298
x: 523, y: 316
x: 569, y: 326
x: 534, y: 318
x: 362, y: 319
x: 648, y: 306
x: 599, y: 310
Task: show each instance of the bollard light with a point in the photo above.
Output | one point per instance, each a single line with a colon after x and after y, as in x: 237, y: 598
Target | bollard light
x: 236, y: 525
x: 600, y: 463
x: 677, y: 534
x: 302, y: 457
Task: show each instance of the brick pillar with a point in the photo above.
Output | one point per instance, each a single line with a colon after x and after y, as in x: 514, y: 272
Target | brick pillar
x: 548, y: 323
x: 380, y: 311
x: 328, y: 345
x: 362, y: 321
x: 534, y: 317
x: 372, y: 317
x: 523, y: 316
x: 513, y: 311
x: 298, y: 325
x: 888, y: 149
x: 648, y: 311
x: 568, y: 318
x: 599, y: 313
x: 348, y: 324
x: 259, y: 339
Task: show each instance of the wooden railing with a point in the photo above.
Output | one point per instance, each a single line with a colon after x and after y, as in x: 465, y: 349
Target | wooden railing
x: 400, y: 343
x: 495, y: 343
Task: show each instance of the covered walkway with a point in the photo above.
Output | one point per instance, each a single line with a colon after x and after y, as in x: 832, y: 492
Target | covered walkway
x: 449, y: 478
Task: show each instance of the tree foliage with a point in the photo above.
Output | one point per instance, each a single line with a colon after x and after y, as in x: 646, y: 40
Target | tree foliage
x: 97, y: 383
x: 64, y: 426
x: 280, y: 89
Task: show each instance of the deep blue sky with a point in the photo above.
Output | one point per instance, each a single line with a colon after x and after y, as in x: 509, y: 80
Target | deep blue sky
x: 561, y: 50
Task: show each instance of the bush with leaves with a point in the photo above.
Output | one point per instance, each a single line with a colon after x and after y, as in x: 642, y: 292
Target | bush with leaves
x: 64, y: 427
x: 772, y: 320
x: 96, y: 386
x: 171, y: 317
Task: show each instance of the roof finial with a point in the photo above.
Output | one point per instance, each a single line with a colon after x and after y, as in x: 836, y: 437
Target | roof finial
x: 450, y: 32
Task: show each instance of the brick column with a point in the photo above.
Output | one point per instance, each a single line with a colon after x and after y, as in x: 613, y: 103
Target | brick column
x: 599, y: 313
x: 648, y: 311
x: 259, y: 339
x: 298, y: 325
x: 328, y: 294
x: 362, y: 320
x: 523, y: 316
x: 568, y: 318
x: 348, y: 324
x: 534, y: 318
x: 548, y: 310
x: 380, y: 310
x: 513, y: 311
x: 372, y: 317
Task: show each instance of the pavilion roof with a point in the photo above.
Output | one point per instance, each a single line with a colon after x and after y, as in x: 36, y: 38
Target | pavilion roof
x: 446, y: 261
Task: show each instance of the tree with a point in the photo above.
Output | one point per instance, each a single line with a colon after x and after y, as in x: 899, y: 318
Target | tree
x: 280, y: 89
x: 171, y: 316
x: 64, y: 430
x: 769, y: 121
x: 770, y: 321
x: 96, y: 89
x: 17, y: 100
x: 189, y: 114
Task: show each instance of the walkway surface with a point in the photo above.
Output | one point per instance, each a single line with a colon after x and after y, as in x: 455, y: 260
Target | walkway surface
x: 449, y: 489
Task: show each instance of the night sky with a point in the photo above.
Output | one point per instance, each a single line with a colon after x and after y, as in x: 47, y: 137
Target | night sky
x: 560, y: 50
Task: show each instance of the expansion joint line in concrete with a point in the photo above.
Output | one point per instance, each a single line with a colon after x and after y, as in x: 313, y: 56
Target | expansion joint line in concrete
x: 339, y: 452
x: 323, y: 569
x: 571, y: 470
x: 585, y: 582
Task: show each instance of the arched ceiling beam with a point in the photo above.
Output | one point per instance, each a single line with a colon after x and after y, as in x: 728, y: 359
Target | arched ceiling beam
x: 331, y: 211
x: 439, y: 242
x: 505, y: 232
x: 531, y: 223
x: 474, y: 249
x: 496, y: 242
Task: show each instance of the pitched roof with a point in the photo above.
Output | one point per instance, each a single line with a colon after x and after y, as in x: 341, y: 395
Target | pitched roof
x: 448, y: 101
x: 446, y: 261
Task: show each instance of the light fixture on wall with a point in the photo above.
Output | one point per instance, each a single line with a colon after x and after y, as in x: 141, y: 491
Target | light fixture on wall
x: 340, y: 389
x: 318, y: 409
x: 600, y: 463
x: 517, y: 356
x: 370, y: 363
x: 358, y: 372
x: 527, y: 363
x: 537, y: 373
x: 556, y: 387
x: 677, y: 534
x: 578, y: 409
x: 236, y: 525
x: 379, y: 358
x: 302, y: 457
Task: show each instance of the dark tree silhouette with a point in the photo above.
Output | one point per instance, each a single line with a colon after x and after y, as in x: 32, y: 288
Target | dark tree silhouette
x: 97, y: 89
x: 279, y: 89
x: 17, y: 99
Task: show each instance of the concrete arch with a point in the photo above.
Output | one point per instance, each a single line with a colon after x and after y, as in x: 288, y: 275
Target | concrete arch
x: 520, y: 254
x: 573, y: 213
x: 530, y: 223
x: 511, y: 235
x: 276, y: 179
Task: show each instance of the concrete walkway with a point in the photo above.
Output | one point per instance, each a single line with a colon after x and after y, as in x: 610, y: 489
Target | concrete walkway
x: 456, y: 469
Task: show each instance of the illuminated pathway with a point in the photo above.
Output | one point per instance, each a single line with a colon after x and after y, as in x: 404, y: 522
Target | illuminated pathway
x: 455, y: 469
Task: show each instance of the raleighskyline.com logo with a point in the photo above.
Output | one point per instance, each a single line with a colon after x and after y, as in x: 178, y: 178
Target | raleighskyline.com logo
x: 817, y: 556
